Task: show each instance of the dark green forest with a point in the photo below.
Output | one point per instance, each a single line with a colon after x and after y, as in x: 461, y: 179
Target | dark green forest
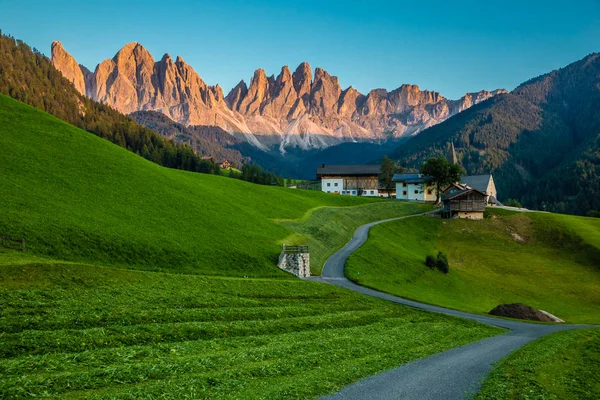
x: 541, y: 142
x: 206, y: 140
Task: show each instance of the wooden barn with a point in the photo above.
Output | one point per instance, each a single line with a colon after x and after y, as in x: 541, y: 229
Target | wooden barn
x: 461, y: 201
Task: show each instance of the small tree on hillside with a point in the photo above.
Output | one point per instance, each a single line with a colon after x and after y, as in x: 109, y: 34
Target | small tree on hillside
x: 388, y: 169
x: 443, y: 173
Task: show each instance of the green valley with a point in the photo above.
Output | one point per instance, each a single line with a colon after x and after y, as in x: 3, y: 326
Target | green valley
x: 141, y: 281
x: 548, y: 261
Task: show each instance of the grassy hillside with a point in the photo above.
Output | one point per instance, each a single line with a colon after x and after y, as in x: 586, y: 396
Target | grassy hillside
x: 325, y: 230
x: 548, y: 261
x: 562, y: 366
x: 76, y: 197
x: 81, y: 331
x: 74, y: 326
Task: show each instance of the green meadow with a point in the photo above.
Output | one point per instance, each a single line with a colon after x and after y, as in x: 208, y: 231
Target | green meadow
x: 145, y: 282
x: 327, y: 229
x: 76, y: 197
x: 548, y: 261
x: 563, y: 365
x: 82, y: 331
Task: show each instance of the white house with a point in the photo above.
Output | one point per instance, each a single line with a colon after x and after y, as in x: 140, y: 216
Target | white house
x: 415, y: 187
x: 349, y: 180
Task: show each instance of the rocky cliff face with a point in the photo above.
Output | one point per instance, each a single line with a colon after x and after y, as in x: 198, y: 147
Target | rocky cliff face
x: 292, y: 109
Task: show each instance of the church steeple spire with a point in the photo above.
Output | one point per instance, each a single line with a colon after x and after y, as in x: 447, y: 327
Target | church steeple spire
x: 451, y: 155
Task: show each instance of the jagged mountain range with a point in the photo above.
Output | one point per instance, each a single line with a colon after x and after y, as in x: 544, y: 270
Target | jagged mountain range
x: 292, y: 109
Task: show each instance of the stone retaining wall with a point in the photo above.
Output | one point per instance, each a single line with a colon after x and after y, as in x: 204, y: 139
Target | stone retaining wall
x: 295, y: 263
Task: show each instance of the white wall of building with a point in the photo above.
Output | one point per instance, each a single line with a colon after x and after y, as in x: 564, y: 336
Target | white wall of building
x: 336, y: 185
x: 332, y: 185
x: 415, y: 192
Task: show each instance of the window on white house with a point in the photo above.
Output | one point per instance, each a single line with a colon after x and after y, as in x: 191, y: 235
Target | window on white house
x: 335, y: 184
x: 328, y: 184
x: 429, y: 191
x: 328, y: 191
x: 403, y: 184
x: 372, y: 192
x: 404, y: 193
x: 416, y: 192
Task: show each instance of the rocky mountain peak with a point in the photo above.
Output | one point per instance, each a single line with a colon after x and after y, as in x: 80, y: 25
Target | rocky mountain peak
x: 302, y: 79
x: 64, y: 62
x: 297, y: 107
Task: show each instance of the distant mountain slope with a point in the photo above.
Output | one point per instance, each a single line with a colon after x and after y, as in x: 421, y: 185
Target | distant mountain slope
x: 541, y: 141
x: 292, y: 109
x: 208, y: 140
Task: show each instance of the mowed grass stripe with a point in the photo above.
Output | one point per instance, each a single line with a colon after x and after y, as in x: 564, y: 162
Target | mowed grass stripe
x: 352, y: 332
x: 149, y: 363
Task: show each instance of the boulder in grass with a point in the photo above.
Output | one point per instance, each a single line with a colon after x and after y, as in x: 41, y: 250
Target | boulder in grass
x: 554, y: 318
x: 523, y: 311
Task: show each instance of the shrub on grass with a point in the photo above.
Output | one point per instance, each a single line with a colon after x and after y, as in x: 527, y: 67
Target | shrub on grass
x: 513, y: 203
x: 442, y: 262
x: 430, y: 261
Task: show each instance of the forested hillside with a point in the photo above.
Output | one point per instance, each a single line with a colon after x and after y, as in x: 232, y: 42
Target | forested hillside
x: 207, y: 140
x: 28, y: 76
x: 541, y: 141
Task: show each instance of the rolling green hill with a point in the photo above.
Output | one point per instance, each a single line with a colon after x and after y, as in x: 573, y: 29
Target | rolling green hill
x: 548, y: 261
x: 79, y: 319
x: 76, y: 197
x: 541, y: 141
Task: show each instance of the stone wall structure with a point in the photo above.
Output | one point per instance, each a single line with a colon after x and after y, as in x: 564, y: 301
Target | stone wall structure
x: 295, y: 260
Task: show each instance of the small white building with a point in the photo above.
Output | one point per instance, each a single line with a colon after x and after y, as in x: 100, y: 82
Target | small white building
x: 415, y: 187
x: 350, y: 180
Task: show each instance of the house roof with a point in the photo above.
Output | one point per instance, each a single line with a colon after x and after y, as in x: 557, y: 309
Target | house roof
x: 450, y: 196
x: 348, y: 170
x: 411, y: 178
x: 479, y: 182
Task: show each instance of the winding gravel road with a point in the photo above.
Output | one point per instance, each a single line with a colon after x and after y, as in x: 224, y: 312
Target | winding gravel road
x: 453, y: 374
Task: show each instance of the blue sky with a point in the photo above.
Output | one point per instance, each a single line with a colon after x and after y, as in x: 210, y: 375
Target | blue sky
x: 452, y: 47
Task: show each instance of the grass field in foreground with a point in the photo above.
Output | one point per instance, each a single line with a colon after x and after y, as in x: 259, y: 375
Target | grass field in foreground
x: 561, y: 366
x: 325, y: 230
x: 548, y: 261
x: 76, y: 197
x: 82, y: 331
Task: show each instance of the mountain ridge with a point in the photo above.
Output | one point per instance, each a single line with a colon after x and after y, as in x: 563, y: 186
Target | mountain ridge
x: 291, y: 109
x: 541, y: 141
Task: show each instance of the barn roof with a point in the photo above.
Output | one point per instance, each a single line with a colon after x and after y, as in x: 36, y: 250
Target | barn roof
x: 460, y: 193
x: 348, y: 170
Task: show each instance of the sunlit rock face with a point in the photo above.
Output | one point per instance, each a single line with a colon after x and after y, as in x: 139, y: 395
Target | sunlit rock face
x: 292, y: 109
